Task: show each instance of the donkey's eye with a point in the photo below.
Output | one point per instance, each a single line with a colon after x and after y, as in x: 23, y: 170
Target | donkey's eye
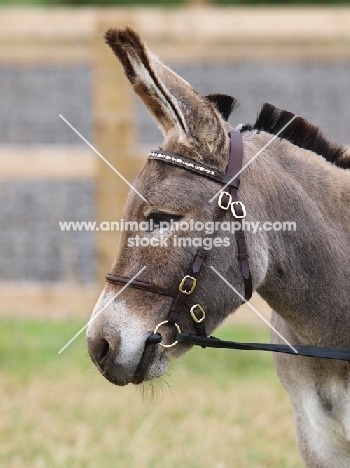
x: 160, y: 220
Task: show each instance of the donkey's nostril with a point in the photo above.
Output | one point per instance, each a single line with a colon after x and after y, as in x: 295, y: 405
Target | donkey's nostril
x: 99, y: 348
x: 103, y: 350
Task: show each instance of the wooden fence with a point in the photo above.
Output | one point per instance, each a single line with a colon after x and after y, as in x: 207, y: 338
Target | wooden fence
x: 204, y: 34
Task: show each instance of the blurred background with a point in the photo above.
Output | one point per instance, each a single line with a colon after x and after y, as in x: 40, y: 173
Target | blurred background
x: 57, y: 410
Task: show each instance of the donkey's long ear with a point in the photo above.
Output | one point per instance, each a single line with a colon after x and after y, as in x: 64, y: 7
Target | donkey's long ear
x: 155, y: 83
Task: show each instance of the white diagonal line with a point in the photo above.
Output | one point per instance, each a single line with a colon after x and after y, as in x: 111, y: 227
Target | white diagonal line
x: 103, y: 159
x: 251, y: 160
x: 254, y: 309
x: 100, y: 311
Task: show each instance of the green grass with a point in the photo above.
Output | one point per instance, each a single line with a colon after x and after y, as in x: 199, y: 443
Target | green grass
x: 222, y: 364
x: 223, y: 408
x: 31, y: 346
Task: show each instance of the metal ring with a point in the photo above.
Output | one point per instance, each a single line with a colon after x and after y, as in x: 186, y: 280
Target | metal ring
x: 226, y: 194
x: 193, y: 315
x: 182, y: 284
x: 239, y: 203
x: 164, y: 323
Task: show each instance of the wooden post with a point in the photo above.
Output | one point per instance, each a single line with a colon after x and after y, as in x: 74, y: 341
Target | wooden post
x: 114, y: 135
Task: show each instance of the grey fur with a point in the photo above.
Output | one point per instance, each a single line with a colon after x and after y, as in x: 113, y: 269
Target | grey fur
x: 303, y: 275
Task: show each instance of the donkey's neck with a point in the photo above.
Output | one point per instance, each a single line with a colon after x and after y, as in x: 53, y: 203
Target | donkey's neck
x: 308, y: 274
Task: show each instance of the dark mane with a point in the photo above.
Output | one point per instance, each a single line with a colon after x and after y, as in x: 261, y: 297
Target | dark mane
x: 301, y: 133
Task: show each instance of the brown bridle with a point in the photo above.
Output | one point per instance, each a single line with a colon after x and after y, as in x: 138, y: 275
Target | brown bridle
x: 227, y: 200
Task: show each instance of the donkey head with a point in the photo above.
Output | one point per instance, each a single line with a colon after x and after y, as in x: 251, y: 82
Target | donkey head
x: 195, y: 127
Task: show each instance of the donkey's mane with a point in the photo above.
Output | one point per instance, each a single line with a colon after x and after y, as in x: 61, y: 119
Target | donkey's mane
x: 301, y: 133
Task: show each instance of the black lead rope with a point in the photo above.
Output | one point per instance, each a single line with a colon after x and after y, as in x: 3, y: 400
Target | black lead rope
x: 341, y: 354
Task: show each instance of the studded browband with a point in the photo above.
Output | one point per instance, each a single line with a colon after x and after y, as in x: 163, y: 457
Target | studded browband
x: 227, y: 200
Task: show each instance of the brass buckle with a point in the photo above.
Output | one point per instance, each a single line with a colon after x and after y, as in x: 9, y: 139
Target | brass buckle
x: 193, y: 315
x: 164, y: 323
x: 234, y: 211
x: 181, y: 285
x: 223, y: 207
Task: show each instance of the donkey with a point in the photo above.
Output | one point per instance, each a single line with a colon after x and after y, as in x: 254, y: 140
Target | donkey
x: 303, y: 275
